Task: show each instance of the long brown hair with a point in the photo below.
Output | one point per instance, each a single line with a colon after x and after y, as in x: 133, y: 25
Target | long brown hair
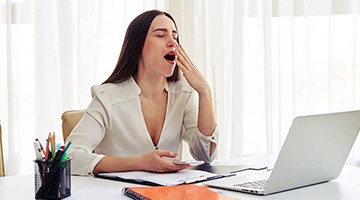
x: 134, y: 40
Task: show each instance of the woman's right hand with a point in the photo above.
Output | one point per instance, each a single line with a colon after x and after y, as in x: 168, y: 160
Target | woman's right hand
x: 154, y: 162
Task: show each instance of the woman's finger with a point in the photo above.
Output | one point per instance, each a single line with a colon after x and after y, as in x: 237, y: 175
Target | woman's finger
x: 184, y: 56
x: 182, y: 67
x: 163, y: 153
x: 184, y: 64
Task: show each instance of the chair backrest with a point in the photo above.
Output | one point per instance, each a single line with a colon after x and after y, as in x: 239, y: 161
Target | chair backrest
x: 2, y: 165
x: 69, y: 120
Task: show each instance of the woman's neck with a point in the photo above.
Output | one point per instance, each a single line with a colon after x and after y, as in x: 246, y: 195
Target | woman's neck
x: 151, y: 87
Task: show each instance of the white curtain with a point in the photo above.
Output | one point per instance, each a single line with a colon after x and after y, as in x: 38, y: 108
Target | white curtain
x: 267, y: 62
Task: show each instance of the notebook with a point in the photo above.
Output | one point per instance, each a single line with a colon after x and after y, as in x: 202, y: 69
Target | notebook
x: 314, y: 151
x: 183, y: 192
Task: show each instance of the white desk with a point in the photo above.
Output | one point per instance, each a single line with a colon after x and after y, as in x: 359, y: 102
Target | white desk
x: 345, y: 187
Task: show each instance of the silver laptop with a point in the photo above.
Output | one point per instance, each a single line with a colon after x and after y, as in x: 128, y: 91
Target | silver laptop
x: 314, y: 151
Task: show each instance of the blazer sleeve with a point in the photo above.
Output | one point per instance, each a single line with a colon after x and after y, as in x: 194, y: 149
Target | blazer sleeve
x: 199, y: 144
x: 85, y: 137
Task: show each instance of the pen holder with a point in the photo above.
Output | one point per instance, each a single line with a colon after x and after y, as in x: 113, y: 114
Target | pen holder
x: 52, y: 179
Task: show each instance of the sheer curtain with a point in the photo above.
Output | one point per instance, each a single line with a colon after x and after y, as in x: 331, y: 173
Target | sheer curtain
x: 267, y: 62
x: 313, y: 62
x: 51, y: 53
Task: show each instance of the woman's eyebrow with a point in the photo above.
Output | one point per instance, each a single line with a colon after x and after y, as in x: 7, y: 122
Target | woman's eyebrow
x: 164, y: 30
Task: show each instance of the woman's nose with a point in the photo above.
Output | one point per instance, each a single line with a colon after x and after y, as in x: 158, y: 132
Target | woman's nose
x: 172, y: 43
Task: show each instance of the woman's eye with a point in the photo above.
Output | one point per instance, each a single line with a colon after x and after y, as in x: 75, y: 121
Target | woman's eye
x: 161, y: 36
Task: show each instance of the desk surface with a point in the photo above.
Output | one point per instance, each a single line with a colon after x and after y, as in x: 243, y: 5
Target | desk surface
x: 345, y: 187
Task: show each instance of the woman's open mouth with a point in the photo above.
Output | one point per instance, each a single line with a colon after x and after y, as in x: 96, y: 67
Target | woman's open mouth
x: 170, y: 57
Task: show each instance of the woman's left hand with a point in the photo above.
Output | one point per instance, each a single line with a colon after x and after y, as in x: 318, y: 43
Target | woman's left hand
x: 191, y: 73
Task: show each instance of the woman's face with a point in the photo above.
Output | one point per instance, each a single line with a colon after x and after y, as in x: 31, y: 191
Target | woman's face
x: 158, y: 54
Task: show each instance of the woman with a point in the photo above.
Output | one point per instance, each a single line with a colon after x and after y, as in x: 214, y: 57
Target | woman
x: 140, y: 114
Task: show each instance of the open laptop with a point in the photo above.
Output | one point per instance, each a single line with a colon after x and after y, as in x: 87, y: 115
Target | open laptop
x: 314, y: 151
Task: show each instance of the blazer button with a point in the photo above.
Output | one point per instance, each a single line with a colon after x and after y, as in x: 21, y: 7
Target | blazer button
x: 156, y: 148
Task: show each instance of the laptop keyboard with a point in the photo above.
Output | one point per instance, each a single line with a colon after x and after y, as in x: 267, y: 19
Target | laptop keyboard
x: 255, y: 184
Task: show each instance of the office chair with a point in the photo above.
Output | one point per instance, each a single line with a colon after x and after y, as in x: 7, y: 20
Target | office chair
x: 2, y: 165
x: 69, y: 119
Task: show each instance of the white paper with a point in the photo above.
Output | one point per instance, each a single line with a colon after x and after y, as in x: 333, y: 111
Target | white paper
x: 176, y: 178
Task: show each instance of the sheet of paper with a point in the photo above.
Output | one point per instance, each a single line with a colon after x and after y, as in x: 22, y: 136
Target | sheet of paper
x: 176, y: 178
x: 180, y: 177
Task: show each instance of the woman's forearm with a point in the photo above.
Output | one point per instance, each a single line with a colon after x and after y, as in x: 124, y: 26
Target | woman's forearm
x: 206, y: 116
x: 152, y: 161
x: 117, y: 164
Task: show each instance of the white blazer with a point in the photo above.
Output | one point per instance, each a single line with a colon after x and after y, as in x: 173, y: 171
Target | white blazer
x: 114, y: 125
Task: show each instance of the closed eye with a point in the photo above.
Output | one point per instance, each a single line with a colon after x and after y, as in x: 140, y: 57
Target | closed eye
x: 163, y: 32
x: 175, y: 38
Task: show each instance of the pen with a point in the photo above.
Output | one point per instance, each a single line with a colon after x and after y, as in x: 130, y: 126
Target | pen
x: 41, y: 147
x: 47, y: 148
x: 52, y: 140
x: 37, y: 151
x: 193, y: 179
x: 57, y: 147
x: 66, y: 148
x: 46, y: 157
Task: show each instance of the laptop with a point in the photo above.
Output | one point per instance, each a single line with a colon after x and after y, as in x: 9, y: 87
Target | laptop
x: 314, y: 151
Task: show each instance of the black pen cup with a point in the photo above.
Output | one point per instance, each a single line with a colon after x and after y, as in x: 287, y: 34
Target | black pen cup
x: 52, y: 179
